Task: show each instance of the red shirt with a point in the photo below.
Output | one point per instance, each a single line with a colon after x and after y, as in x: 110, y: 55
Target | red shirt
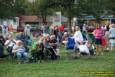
x: 61, y: 28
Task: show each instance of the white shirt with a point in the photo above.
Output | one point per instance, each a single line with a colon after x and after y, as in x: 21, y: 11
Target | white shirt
x: 78, y: 36
x: 84, y: 27
x: 84, y: 48
x: 112, y: 32
x: 27, y: 29
x: 9, y: 43
x: 17, y: 48
x: 4, y: 27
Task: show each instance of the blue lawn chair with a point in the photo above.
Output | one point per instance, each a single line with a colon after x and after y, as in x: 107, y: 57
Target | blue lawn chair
x: 71, y: 43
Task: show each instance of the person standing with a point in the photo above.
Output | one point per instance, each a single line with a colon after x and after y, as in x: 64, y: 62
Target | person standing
x: 4, y: 29
x: 98, y: 35
x: 112, y: 36
x: 78, y: 35
x: 27, y: 29
x: 10, y: 28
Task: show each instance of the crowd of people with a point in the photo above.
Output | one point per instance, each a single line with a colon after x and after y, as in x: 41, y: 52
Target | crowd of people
x: 46, y: 43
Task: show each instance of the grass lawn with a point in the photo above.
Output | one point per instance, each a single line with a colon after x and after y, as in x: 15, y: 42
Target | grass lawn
x: 95, y: 66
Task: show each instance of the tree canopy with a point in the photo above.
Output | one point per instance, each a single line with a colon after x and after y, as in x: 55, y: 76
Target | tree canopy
x: 69, y: 8
x: 6, y: 8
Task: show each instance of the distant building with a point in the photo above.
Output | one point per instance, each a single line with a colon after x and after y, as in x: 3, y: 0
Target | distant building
x: 105, y: 19
x: 11, y: 21
x: 37, y: 20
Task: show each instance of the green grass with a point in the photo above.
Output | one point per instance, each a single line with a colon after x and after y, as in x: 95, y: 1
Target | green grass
x: 95, y: 66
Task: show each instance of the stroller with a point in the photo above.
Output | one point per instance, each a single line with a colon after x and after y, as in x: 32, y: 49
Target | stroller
x: 37, y: 53
x: 50, y: 53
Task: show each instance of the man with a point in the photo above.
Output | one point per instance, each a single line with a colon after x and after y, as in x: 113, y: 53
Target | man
x: 4, y: 29
x: 27, y: 29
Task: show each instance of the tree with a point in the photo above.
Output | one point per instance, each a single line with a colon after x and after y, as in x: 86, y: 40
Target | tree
x: 69, y: 10
x: 110, y: 8
x: 20, y: 7
x: 6, y: 8
x: 44, y: 8
x: 95, y: 8
x: 65, y: 6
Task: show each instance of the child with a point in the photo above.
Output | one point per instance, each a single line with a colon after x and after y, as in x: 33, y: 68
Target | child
x: 104, y: 43
x: 107, y: 40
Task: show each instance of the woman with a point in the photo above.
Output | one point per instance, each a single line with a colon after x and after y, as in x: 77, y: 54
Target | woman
x: 78, y: 35
x: 98, y: 34
x: 112, y: 36
x: 48, y: 48
x: 65, y: 38
x: 9, y: 43
x: 54, y: 45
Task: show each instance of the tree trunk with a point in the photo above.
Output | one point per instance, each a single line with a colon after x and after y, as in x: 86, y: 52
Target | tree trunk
x: 70, y: 26
x: 44, y: 19
x: 20, y: 19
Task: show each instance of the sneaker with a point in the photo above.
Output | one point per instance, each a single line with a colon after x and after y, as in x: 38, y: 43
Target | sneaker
x: 108, y: 49
x: 102, y: 54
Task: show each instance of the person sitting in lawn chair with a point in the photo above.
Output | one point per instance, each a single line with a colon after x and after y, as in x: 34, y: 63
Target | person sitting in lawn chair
x: 65, y: 38
x: 20, y: 51
x: 48, y: 50
x: 37, y: 50
x: 2, y: 40
x: 84, y: 48
x: 24, y: 37
x: 9, y: 43
x: 54, y: 44
x: 80, y: 44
